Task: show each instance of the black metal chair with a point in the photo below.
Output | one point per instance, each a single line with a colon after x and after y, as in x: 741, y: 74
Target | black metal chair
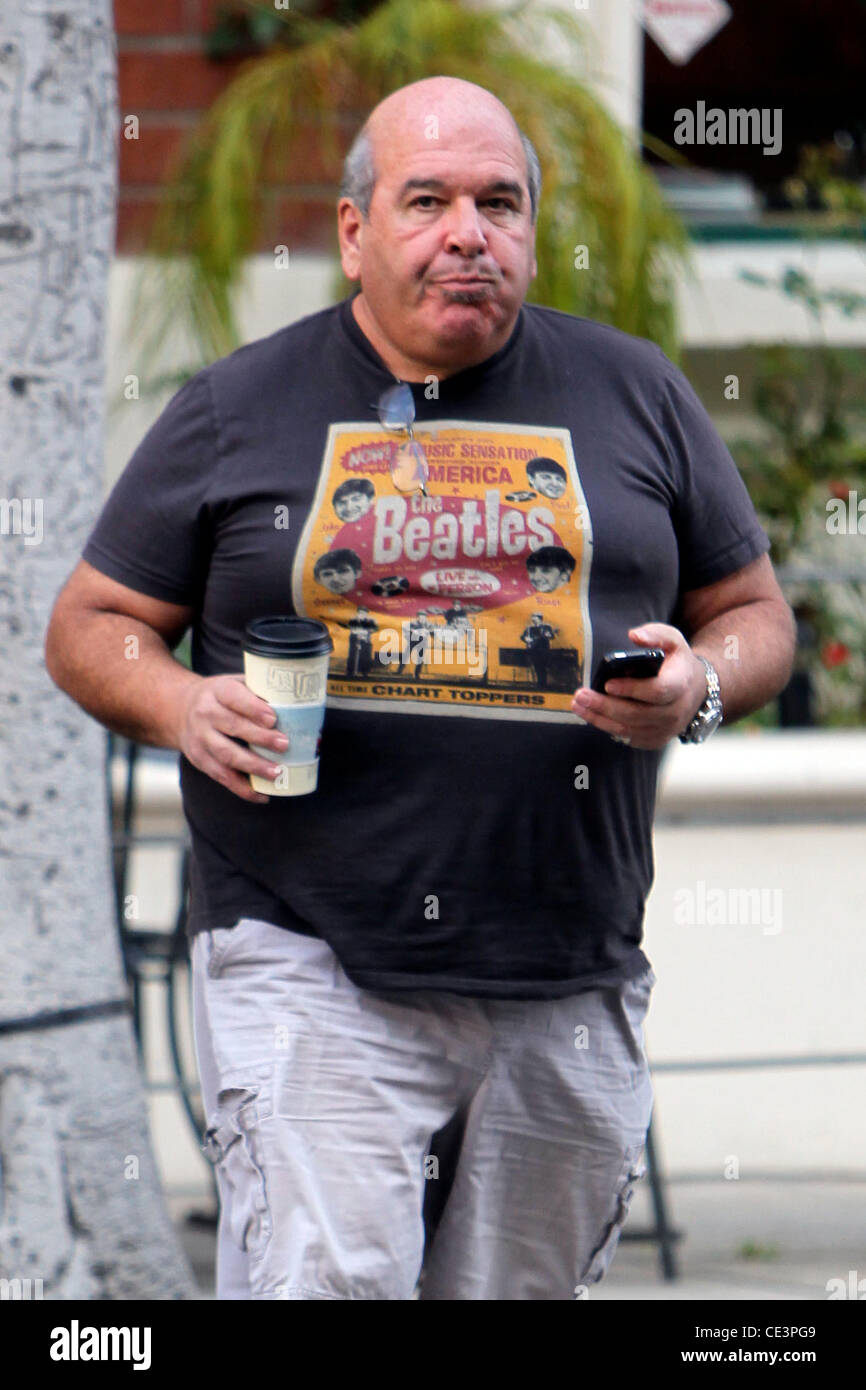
x: 152, y: 954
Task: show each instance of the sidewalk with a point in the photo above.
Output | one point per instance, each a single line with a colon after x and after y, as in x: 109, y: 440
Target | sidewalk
x: 776, y: 1239
x: 771, y: 1238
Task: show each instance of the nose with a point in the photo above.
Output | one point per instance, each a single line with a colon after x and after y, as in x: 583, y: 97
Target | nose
x: 464, y: 230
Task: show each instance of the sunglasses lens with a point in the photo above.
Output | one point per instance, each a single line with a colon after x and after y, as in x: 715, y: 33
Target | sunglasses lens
x: 409, y: 470
x: 397, y: 407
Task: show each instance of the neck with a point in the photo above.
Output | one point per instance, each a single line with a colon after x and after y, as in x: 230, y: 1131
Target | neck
x: 411, y: 368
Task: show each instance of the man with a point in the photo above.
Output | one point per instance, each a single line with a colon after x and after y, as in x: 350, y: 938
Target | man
x: 416, y: 644
x: 547, y: 476
x: 538, y: 636
x: 549, y: 568
x: 361, y: 628
x: 338, y: 570
x: 376, y: 958
x: 353, y: 499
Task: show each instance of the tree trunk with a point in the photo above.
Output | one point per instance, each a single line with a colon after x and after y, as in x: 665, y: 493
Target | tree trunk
x: 81, y: 1207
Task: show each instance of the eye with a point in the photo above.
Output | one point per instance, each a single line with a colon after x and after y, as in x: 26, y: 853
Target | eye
x: 505, y: 203
x: 423, y: 198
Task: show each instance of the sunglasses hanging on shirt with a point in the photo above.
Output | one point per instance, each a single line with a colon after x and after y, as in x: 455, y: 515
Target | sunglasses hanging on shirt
x: 409, y: 467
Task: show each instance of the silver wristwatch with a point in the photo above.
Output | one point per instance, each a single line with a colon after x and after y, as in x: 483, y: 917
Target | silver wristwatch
x: 709, y: 716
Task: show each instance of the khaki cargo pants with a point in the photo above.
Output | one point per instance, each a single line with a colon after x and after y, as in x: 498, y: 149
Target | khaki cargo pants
x: 322, y: 1100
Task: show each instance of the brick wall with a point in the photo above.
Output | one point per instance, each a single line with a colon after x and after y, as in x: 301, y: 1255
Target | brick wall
x: 166, y: 81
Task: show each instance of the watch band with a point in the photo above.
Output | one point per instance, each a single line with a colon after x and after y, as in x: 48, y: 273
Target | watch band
x: 708, y: 716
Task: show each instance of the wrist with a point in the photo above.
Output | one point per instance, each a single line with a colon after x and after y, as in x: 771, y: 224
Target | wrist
x: 179, y: 699
x: 699, y: 686
x: 708, y: 713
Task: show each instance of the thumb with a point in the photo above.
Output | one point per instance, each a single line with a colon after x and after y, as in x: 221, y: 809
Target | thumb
x: 670, y: 639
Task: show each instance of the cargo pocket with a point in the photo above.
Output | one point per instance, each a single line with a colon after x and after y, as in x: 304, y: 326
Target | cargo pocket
x: 631, y: 1172
x: 232, y: 1143
x: 223, y: 940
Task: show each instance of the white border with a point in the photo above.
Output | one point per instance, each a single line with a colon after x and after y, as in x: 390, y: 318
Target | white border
x: 426, y: 427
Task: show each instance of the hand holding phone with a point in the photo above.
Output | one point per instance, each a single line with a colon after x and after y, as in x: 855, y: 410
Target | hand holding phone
x: 634, y: 663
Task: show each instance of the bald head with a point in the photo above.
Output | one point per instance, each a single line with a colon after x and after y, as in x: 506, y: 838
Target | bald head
x: 431, y: 103
x: 443, y: 101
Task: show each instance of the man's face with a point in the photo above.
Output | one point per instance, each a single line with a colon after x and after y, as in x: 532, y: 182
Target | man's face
x: 352, y: 506
x: 546, y: 578
x: 550, y: 484
x: 448, y: 251
x: 339, y: 578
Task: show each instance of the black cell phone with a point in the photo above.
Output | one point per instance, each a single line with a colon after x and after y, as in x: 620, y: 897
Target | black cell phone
x: 638, y: 663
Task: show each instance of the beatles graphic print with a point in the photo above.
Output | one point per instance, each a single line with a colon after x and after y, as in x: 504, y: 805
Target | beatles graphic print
x: 473, y: 599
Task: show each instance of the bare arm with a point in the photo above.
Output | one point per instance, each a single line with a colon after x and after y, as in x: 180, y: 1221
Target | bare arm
x: 742, y: 625
x: 109, y: 648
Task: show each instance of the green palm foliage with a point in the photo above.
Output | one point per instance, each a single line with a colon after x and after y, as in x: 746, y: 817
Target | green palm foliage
x: 596, y: 192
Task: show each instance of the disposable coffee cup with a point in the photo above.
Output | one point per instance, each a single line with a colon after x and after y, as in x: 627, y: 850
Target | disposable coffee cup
x: 286, y: 663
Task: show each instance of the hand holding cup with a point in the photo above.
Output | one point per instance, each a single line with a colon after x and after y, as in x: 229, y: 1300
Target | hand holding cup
x: 219, y: 710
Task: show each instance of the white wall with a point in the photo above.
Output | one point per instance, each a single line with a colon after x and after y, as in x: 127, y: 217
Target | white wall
x: 613, y: 55
x: 615, y: 61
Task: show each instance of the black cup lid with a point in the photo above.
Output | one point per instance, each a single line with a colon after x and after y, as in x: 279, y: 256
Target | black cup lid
x: 287, y: 637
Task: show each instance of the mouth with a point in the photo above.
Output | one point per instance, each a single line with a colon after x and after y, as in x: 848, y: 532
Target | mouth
x: 466, y: 282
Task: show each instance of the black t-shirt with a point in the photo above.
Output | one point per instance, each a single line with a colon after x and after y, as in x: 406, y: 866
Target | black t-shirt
x: 454, y: 841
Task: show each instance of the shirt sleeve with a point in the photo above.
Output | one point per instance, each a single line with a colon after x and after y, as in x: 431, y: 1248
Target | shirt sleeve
x: 153, y: 533
x: 717, y: 527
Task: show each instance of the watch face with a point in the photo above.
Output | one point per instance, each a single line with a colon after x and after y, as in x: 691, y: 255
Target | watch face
x: 709, y: 723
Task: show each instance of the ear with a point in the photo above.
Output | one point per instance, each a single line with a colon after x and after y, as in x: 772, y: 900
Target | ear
x: 350, y: 225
